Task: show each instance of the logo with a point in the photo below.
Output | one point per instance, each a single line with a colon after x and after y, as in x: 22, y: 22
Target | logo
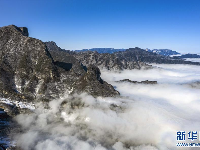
x: 191, y: 136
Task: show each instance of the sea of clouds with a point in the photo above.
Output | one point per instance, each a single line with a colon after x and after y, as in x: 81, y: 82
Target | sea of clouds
x: 144, y: 116
x: 193, y: 59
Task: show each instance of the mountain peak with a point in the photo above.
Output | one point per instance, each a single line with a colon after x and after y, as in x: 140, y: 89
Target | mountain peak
x: 22, y: 30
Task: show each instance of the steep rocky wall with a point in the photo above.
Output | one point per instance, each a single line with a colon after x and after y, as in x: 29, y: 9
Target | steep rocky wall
x: 24, y: 61
x: 28, y: 70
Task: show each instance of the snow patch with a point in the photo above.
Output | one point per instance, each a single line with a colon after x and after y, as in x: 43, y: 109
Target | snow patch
x: 19, y: 104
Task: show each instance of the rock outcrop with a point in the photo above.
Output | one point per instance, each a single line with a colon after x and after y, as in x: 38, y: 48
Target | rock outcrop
x: 136, y: 82
x: 92, y: 79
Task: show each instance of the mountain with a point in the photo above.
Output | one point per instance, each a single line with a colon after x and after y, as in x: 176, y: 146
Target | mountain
x: 133, y: 58
x: 101, y: 50
x: 164, y: 52
x: 30, y: 70
x: 33, y: 70
x: 102, y: 60
x: 149, y: 57
x: 115, y: 61
x: 52, y: 46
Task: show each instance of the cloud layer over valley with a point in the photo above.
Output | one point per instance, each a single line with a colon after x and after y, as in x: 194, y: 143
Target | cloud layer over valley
x: 144, y: 117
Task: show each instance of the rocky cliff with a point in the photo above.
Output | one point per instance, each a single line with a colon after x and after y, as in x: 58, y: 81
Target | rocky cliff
x: 30, y: 70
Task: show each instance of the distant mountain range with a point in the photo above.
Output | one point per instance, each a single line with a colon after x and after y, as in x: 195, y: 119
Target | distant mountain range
x: 101, y: 50
x: 133, y: 58
x: 188, y: 56
x: 164, y: 52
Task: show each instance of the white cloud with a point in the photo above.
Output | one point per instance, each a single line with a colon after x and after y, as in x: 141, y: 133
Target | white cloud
x: 145, y: 117
x: 193, y: 59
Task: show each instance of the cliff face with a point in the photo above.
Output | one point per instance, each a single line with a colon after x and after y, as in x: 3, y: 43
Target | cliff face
x: 90, y: 80
x: 29, y: 70
x: 24, y: 62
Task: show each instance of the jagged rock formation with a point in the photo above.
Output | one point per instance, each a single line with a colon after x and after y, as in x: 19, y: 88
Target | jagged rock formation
x: 52, y: 46
x: 29, y: 70
x: 136, y: 82
x: 63, y: 58
x: 92, y: 78
x: 88, y: 80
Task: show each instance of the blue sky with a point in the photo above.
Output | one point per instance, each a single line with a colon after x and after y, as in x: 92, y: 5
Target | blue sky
x: 78, y: 24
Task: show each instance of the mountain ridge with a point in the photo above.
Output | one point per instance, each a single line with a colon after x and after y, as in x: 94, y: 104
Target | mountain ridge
x: 164, y: 52
x: 29, y: 69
